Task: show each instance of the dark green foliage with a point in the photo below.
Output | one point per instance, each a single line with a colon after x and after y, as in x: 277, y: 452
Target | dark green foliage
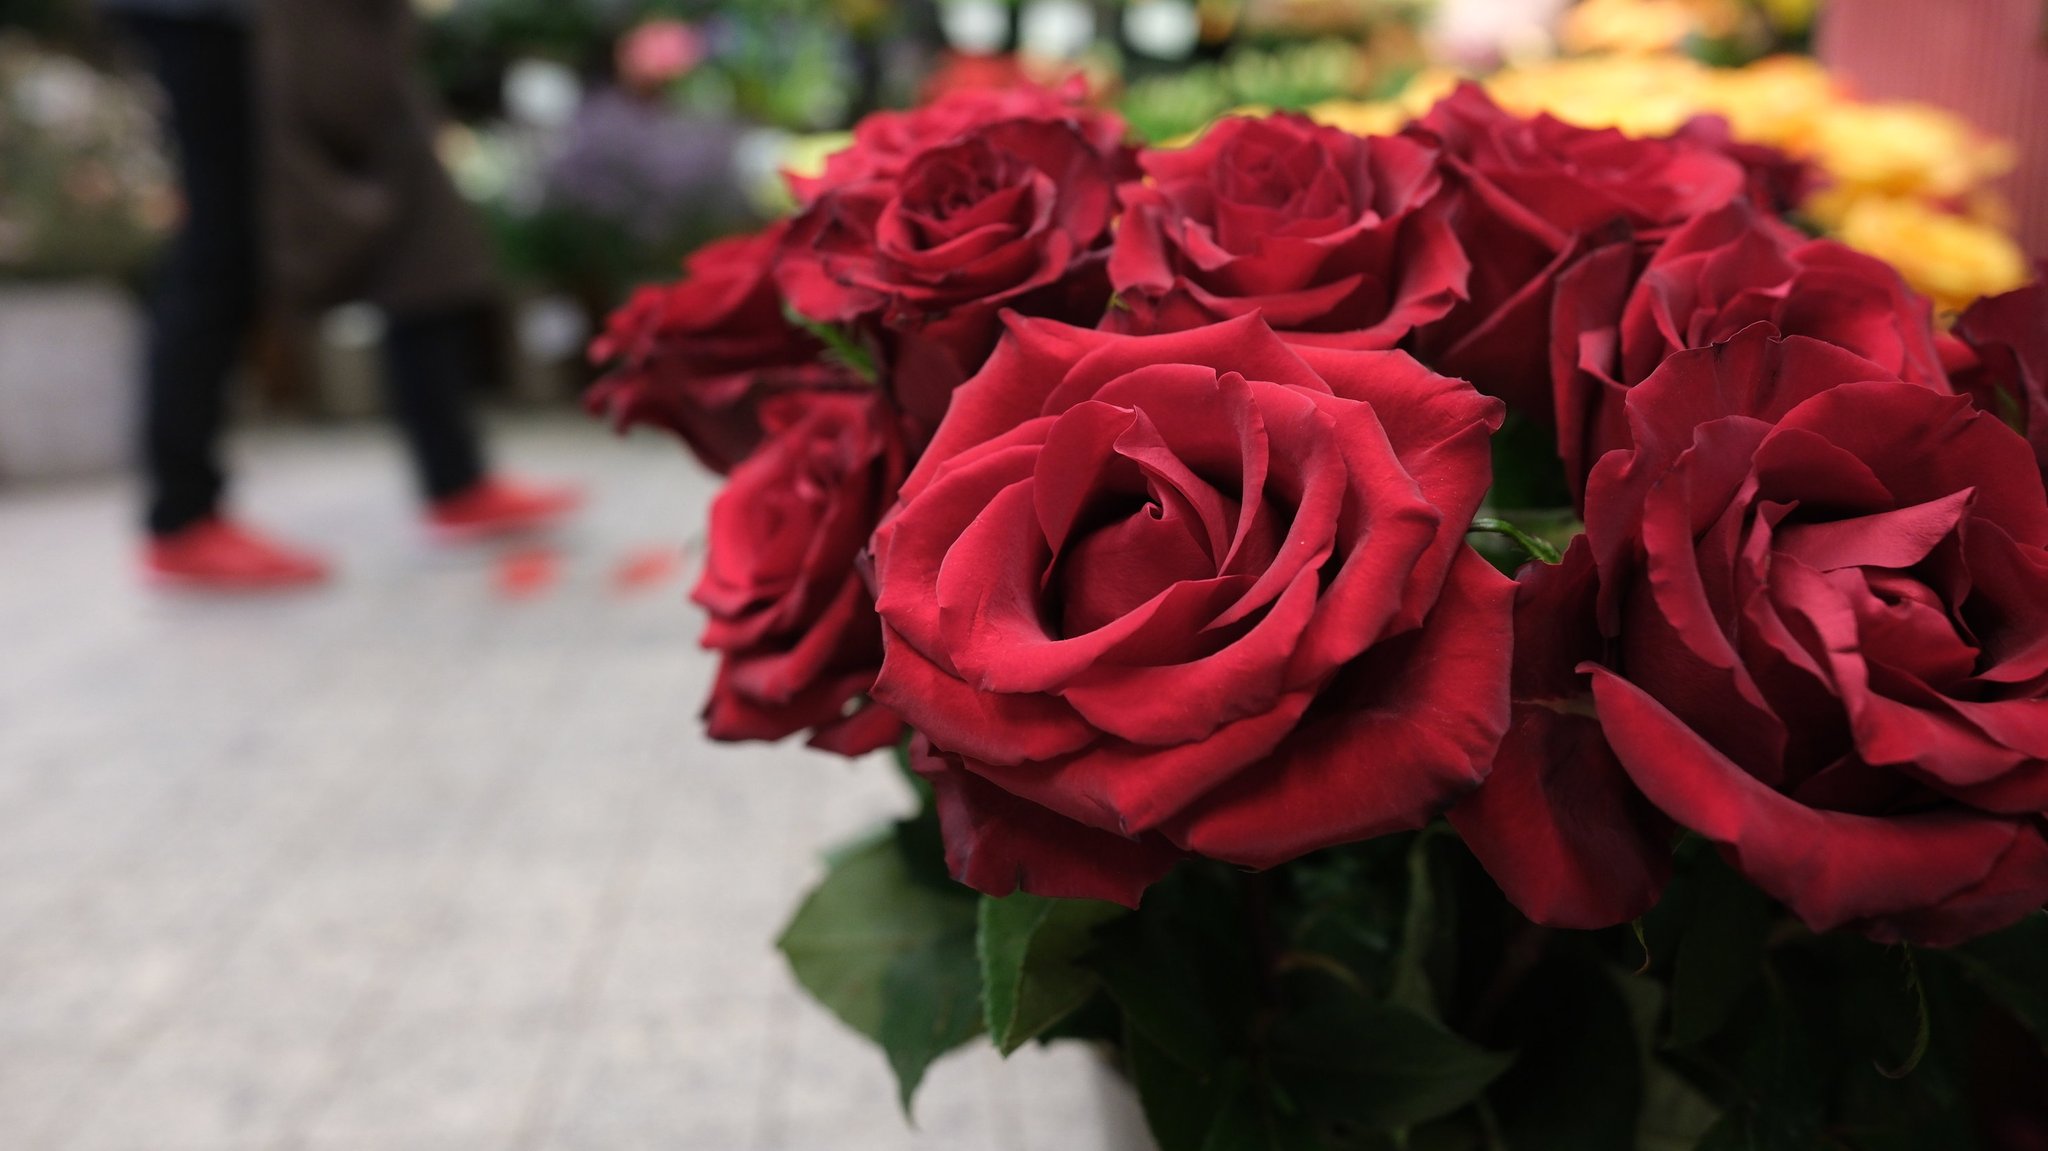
x: 1384, y: 997
x: 891, y: 953
x: 1579, y: 1080
x: 1030, y: 949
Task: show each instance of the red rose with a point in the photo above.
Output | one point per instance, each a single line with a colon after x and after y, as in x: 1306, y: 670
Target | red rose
x: 1523, y: 197
x: 1572, y: 842
x: 1192, y: 591
x: 1616, y: 319
x: 694, y: 357
x: 1011, y: 214
x: 790, y: 614
x: 884, y: 143
x: 2004, y: 361
x: 1317, y: 228
x: 1821, y: 645
x: 1778, y: 181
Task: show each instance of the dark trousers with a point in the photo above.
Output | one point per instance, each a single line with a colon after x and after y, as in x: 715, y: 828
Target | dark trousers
x: 208, y: 294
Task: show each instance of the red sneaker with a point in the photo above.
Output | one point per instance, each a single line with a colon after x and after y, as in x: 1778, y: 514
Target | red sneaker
x: 216, y: 555
x: 499, y: 507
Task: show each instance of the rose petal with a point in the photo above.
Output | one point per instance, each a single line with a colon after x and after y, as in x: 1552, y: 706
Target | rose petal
x: 1889, y: 877
x: 1412, y: 726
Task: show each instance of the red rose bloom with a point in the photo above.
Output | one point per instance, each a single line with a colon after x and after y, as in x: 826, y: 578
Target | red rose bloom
x: 1779, y: 182
x: 1013, y: 214
x: 884, y: 143
x: 1558, y: 823
x: 1523, y: 197
x: 1191, y: 592
x: 1822, y: 645
x: 1616, y: 319
x: 694, y: 357
x: 2004, y: 361
x: 790, y: 614
x: 1320, y: 230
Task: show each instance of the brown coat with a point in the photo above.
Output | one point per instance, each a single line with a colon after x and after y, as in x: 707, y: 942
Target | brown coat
x: 358, y: 205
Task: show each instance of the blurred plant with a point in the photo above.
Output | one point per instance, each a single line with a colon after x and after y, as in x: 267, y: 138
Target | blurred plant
x: 657, y: 54
x: 664, y: 178
x: 84, y: 188
x: 1295, y: 75
x: 619, y: 194
x: 1296, y: 18
x: 1718, y: 31
x: 790, y: 63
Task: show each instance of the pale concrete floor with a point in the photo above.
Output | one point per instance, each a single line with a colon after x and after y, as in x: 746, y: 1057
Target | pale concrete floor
x: 410, y: 865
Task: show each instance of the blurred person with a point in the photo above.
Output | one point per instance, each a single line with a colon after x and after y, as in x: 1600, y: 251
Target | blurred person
x: 306, y: 160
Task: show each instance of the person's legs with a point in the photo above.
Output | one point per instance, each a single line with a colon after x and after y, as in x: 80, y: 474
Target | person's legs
x: 206, y: 295
x: 429, y: 366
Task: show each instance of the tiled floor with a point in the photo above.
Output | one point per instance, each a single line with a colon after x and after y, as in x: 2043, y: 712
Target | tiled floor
x: 417, y: 863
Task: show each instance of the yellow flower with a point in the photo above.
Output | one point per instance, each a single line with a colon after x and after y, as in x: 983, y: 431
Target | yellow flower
x: 1385, y: 117
x: 1425, y: 88
x: 1186, y: 138
x: 1649, y: 95
x: 806, y: 155
x: 1949, y: 258
x: 1361, y: 117
x: 1906, y: 149
x: 1645, y: 25
x: 1776, y: 101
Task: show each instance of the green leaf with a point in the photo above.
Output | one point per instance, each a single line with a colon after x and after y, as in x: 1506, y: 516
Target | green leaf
x: 1028, y: 945
x: 1720, y: 953
x: 840, y: 345
x: 1347, y: 1059
x: 1182, y: 969
x: 1675, y: 1115
x: 890, y: 955
x: 2012, y: 968
x: 1191, y: 1111
x: 931, y: 1003
x: 1180, y: 1103
x: 1247, y: 1122
x: 1780, y: 1102
x: 1410, y: 986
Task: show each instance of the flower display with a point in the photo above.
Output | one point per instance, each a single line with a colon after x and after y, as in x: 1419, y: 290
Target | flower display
x: 85, y: 187
x: 1474, y: 632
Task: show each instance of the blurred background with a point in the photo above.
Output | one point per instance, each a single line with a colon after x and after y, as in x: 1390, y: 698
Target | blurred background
x: 435, y: 857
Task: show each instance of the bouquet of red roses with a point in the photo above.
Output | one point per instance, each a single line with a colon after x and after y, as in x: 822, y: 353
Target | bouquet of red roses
x: 1164, y: 508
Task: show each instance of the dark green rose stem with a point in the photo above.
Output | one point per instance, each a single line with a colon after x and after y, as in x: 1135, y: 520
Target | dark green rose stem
x: 1536, y: 546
